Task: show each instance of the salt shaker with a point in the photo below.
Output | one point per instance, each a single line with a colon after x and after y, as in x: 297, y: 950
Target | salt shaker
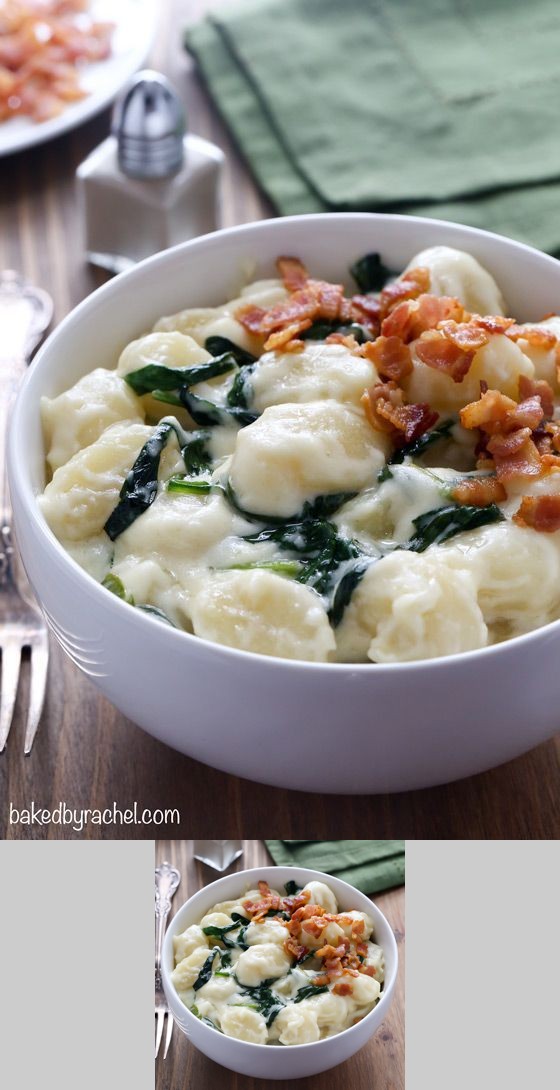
x: 150, y: 184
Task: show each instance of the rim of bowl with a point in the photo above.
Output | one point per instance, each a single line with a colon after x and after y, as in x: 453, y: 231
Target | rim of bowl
x: 29, y: 498
x: 313, y: 874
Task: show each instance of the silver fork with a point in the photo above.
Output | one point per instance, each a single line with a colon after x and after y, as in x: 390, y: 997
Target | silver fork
x: 25, y: 315
x: 167, y: 880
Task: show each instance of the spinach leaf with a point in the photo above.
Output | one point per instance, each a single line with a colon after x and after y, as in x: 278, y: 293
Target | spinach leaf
x: 345, y: 588
x: 207, y: 414
x: 292, y: 888
x: 218, y: 346
x: 219, y: 932
x: 202, y: 1018
x: 155, y: 376
x: 309, y: 990
x: 155, y: 612
x: 195, y: 453
x: 319, y: 508
x: 223, y: 933
x: 439, y: 525
x: 206, y: 971
x: 320, y: 330
x: 370, y: 273
x: 188, y: 487
x: 139, y: 489
x: 291, y: 568
x: 262, y: 999
x: 116, y: 586
x: 240, y: 393
x: 384, y: 474
x: 420, y: 445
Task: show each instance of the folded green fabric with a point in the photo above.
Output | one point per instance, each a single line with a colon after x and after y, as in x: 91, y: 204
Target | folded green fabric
x: 369, y: 865
x: 441, y: 108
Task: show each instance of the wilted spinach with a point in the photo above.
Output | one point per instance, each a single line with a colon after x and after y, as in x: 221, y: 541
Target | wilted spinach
x: 439, y: 525
x: 139, y: 488
x: 218, y: 346
x: 370, y: 273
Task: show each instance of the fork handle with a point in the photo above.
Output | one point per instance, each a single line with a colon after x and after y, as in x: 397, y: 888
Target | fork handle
x: 167, y: 880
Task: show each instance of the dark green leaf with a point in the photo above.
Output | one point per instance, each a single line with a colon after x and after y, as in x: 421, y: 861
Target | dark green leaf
x: 219, y: 932
x: 439, y: 525
x: 320, y: 330
x: 345, y: 588
x: 155, y: 612
x: 206, y: 971
x: 240, y: 393
x: 370, y: 273
x: 155, y: 376
x: 139, y: 489
x: 116, y: 586
x: 262, y: 999
x: 206, y: 414
x: 384, y: 474
x: 217, y: 346
x: 420, y: 445
x: 202, y: 1018
x: 292, y: 888
x: 189, y: 487
x: 291, y: 568
x: 195, y: 453
x: 308, y: 990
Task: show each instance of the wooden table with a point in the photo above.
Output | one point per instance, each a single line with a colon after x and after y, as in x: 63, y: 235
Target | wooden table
x: 378, y: 1066
x: 86, y: 753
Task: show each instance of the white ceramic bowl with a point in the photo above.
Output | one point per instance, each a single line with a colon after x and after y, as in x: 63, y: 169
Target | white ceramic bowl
x: 268, y: 1061
x: 313, y: 726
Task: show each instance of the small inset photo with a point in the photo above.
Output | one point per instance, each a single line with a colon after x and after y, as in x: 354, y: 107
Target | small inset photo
x: 279, y: 960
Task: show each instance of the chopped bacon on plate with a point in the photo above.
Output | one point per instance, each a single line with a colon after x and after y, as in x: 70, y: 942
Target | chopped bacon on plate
x: 540, y: 513
x: 386, y: 411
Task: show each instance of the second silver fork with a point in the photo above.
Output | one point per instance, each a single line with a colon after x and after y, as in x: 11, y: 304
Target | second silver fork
x: 167, y: 880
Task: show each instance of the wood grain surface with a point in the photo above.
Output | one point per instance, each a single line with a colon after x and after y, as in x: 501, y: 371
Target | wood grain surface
x: 378, y: 1066
x: 86, y: 753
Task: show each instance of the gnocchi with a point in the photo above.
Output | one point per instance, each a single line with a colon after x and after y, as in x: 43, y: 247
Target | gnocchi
x: 262, y: 968
x: 369, y: 476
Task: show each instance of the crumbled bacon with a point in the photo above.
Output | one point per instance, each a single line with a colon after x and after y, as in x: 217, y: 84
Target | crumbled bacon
x: 369, y: 970
x: 342, y: 989
x: 329, y: 952
x: 515, y: 455
x: 547, y: 438
x: 264, y: 888
x: 410, y: 285
x: 293, y: 272
x: 329, y: 298
x: 413, y: 317
x: 535, y: 336
x: 294, y: 949
x: 467, y: 336
x: 390, y: 356
x: 479, y: 491
x: 540, y: 513
x: 251, y: 317
x: 282, y: 337
x: 299, y: 900
x: 299, y: 306
x: 364, y: 309
x: 495, y: 413
x: 385, y: 409
x: 540, y: 388
x: 348, y: 340
x: 435, y: 350
x: 493, y: 323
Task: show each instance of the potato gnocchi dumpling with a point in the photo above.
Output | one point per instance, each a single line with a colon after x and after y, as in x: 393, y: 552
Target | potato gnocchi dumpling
x: 270, y: 969
x: 325, y: 474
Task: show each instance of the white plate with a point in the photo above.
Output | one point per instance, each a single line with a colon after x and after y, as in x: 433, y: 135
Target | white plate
x: 135, y: 24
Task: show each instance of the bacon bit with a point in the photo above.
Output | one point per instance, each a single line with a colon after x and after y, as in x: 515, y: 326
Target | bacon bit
x: 410, y: 285
x: 493, y: 323
x: 320, y: 981
x: 365, y: 305
x: 468, y: 336
x: 479, y: 491
x: 294, y: 950
x: 282, y: 337
x: 329, y: 298
x: 547, y: 439
x: 343, y: 989
x: 537, y: 338
x: 496, y: 413
x: 361, y: 949
x: 386, y: 412
x: 390, y: 356
x: 435, y: 350
x: 348, y: 340
x: 251, y: 317
x: 501, y: 446
x: 524, y: 461
x: 293, y: 272
x: 530, y: 388
x: 540, y: 513
x: 357, y: 927
x: 409, y: 319
x: 328, y: 952
x: 369, y: 970
x: 264, y: 888
x: 292, y: 904
x: 399, y: 322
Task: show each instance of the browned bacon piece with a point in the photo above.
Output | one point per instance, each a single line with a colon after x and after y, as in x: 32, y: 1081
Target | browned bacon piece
x: 479, y: 491
x: 537, y: 338
x: 467, y: 336
x: 410, y: 285
x: 540, y: 388
x: 293, y: 272
x: 385, y: 409
x: 286, y: 338
x: 515, y: 455
x: 390, y: 356
x: 436, y: 350
x: 342, y: 988
x: 540, y: 513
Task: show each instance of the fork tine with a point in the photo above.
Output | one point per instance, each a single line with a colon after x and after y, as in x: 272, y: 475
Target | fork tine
x: 11, y: 658
x: 169, y: 1032
x: 37, y: 687
x: 160, y: 1015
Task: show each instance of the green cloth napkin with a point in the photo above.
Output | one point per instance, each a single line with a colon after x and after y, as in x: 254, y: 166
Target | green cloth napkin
x: 441, y: 108
x: 369, y: 865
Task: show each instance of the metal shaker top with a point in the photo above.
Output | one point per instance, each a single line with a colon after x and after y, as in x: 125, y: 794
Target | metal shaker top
x: 149, y: 124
